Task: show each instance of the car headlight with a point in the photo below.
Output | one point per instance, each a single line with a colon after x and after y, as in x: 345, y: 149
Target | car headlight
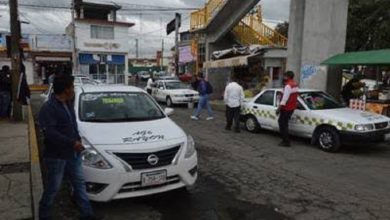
x: 190, y: 150
x: 366, y: 127
x: 92, y: 158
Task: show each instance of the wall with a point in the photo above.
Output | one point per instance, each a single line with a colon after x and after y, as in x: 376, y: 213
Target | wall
x: 317, y: 31
x: 118, y: 45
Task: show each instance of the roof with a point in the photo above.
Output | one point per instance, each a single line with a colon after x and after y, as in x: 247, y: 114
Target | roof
x: 100, y: 5
x: 109, y: 88
x: 372, y: 57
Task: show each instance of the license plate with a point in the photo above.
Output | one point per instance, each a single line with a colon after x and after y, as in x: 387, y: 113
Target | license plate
x: 154, y: 178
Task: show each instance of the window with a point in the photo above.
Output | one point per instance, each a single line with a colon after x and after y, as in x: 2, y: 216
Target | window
x: 102, y: 32
x: 320, y: 101
x: 267, y: 98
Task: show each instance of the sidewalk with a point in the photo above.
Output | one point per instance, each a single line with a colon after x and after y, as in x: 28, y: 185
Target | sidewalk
x: 20, y: 175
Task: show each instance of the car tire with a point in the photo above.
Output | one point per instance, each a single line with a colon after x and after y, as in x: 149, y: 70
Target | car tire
x: 251, y: 124
x: 169, y: 102
x: 328, y: 139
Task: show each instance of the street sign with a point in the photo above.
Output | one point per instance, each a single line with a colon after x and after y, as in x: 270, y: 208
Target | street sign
x: 171, y: 25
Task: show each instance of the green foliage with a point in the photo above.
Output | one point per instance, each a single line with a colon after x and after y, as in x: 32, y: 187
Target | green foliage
x: 282, y: 28
x: 368, y: 25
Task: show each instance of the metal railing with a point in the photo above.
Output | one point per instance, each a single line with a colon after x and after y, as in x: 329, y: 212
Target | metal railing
x: 251, y: 29
x: 201, y: 17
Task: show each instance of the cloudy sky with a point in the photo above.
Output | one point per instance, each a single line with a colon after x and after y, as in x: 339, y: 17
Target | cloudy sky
x: 149, y: 25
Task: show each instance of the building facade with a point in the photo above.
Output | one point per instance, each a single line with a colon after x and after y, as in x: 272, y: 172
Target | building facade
x: 101, y: 42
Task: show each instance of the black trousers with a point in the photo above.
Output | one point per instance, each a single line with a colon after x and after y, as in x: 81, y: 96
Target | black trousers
x: 149, y: 91
x: 233, y: 114
x: 284, y: 117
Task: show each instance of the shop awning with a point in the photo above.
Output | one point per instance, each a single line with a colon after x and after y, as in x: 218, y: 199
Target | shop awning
x: 230, y: 62
x: 373, y: 57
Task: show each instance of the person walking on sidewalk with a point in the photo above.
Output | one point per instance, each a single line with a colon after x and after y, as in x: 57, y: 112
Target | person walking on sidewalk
x: 287, y: 106
x: 205, y: 89
x: 62, y: 148
x: 233, y: 98
x: 5, y: 91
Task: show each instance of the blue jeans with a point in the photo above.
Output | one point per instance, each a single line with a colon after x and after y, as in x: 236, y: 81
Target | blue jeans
x: 5, y: 101
x: 203, y: 103
x: 56, y: 170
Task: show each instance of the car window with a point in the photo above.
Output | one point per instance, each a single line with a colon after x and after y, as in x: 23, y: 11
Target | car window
x: 160, y: 85
x: 175, y: 85
x: 319, y: 101
x: 267, y: 98
x: 118, y: 107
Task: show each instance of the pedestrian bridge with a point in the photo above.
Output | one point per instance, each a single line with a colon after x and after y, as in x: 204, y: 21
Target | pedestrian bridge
x: 242, y: 18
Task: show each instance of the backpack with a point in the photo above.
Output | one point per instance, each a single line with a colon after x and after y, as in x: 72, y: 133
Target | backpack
x: 209, y: 88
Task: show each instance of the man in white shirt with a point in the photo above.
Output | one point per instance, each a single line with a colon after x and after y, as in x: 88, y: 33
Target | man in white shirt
x: 149, y: 84
x: 233, y: 98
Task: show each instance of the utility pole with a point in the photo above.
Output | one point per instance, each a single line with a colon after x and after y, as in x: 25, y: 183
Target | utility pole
x: 162, y: 54
x: 136, y: 49
x: 177, y: 24
x: 17, y: 113
x: 75, y: 62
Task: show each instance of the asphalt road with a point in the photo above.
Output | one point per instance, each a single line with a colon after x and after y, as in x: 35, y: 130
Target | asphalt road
x: 246, y: 176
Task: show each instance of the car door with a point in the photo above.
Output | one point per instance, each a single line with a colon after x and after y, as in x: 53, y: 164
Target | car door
x: 264, y: 108
x: 296, y: 123
x: 160, y: 91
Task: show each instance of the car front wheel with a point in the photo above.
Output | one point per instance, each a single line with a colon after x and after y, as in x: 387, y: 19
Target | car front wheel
x: 169, y: 102
x: 328, y: 139
x: 251, y: 124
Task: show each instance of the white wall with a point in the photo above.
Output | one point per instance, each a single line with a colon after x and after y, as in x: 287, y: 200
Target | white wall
x: 118, y: 45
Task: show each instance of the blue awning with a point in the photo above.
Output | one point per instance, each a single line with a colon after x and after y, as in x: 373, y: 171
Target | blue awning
x: 116, y: 59
x: 85, y: 58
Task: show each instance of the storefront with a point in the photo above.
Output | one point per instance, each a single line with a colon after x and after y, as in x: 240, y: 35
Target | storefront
x: 255, y: 71
x: 107, y: 68
x: 372, y: 70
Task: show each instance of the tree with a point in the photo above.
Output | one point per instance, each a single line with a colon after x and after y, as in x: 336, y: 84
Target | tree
x: 282, y: 28
x: 368, y: 25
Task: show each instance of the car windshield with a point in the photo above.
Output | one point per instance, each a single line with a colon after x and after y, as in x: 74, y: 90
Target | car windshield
x: 118, y: 107
x: 320, y: 101
x: 175, y: 85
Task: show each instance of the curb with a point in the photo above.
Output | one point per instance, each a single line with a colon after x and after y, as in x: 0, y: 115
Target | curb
x: 35, y: 172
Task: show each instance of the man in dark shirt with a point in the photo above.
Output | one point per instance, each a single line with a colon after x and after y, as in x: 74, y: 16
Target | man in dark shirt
x: 62, y: 148
x: 5, y: 91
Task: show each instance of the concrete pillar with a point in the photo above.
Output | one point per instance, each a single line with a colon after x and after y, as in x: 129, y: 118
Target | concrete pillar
x: 317, y: 31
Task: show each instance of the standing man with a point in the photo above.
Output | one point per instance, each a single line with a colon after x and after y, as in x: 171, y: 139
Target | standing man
x: 5, y: 91
x: 62, y: 148
x: 149, y: 84
x: 233, y: 97
x: 205, y: 89
x: 287, y: 106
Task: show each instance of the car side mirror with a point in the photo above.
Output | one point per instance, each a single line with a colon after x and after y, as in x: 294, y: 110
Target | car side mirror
x: 169, y: 111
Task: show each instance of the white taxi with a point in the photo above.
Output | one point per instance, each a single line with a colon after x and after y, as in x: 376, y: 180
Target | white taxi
x: 174, y: 92
x: 318, y: 116
x: 132, y: 147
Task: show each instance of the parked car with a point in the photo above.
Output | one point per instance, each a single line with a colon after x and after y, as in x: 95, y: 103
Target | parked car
x: 144, y: 75
x: 318, y: 116
x: 132, y: 147
x: 174, y: 92
x: 186, y: 77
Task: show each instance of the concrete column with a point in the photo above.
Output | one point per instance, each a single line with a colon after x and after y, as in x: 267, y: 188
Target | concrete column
x: 317, y: 31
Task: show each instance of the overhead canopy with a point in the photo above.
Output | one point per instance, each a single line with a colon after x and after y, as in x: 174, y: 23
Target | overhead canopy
x: 230, y: 62
x: 373, y: 57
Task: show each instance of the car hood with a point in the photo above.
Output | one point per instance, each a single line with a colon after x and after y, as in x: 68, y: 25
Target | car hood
x: 182, y: 91
x: 127, y: 133
x: 351, y: 115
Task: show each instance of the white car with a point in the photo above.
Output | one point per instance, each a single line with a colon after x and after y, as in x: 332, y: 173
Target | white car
x: 174, y: 92
x: 318, y: 116
x: 132, y: 147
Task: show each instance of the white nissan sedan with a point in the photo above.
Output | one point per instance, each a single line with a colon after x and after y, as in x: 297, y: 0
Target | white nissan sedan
x: 174, y: 92
x: 318, y: 116
x: 132, y: 147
